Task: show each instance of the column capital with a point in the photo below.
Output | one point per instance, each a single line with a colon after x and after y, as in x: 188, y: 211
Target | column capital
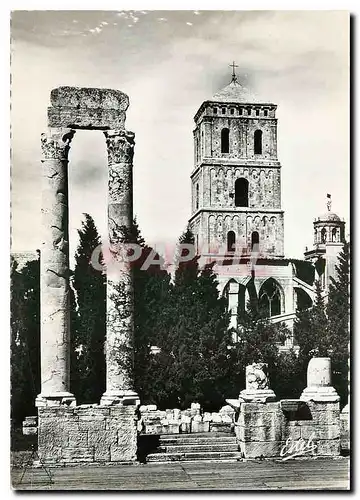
x: 55, y: 143
x: 120, y: 146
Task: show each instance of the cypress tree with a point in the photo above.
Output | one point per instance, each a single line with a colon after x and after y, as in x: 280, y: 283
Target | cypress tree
x: 258, y: 340
x: 25, y: 339
x: 338, y: 311
x: 195, y: 356
x: 151, y: 289
x: 89, y: 336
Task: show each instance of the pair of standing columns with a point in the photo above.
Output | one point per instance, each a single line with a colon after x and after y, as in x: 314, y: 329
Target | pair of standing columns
x: 55, y: 272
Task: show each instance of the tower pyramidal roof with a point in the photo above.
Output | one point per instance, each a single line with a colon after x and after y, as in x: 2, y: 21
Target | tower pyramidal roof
x: 237, y: 93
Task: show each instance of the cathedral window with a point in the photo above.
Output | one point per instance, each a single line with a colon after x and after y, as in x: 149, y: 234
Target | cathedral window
x: 258, y: 142
x: 323, y: 235
x: 257, y: 112
x: 197, y: 196
x: 231, y: 241
x: 232, y: 111
x: 241, y: 192
x: 225, y: 140
x: 240, y: 111
x: 223, y: 111
x: 270, y: 298
x: 249, y: 111
x: 265, y: 112
x: 215, y: 111
x: 334, y: 235
x: 254, y: 240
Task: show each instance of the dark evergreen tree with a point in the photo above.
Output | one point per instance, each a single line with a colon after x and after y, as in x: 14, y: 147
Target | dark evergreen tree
x: 194, y: 360
x: 338, y: 310
x: 88, y: 373
x: 25, y: 339
x: 258, y: 340
x: 151, y: 293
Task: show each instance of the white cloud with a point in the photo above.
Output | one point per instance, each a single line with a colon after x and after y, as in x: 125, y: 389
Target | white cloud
x: 189, y: 24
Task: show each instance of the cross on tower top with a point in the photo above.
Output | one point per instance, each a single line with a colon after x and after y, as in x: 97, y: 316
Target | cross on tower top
x: 234, y: 77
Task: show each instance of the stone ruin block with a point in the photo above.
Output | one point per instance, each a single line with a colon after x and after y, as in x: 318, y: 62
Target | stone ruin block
x: 259, y: 425
x: 220, y: 427
x: 200, y: 426
x: 345, y: 429
x: 261, y: 449
x: 88, y: 108
x: 90, y: 434
x: 185, y: 427
x: 29, y: 426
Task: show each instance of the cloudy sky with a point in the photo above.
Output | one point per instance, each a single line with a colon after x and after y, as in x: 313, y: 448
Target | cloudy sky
x: 168, y: 62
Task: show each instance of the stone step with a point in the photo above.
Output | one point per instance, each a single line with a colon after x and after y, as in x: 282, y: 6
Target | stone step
x: 164, y: 441
x: 174, y: 442
x: 194, y: 456
x: 197, y: 435
x: 186, y: 448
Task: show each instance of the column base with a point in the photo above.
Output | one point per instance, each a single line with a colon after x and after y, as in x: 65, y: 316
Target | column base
x: 55, y: 399
x: 320, y: 393
x: 257, y: 395
x: 124, y: 398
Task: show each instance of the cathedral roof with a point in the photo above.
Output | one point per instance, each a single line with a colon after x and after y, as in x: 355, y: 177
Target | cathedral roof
x: 235, y: 92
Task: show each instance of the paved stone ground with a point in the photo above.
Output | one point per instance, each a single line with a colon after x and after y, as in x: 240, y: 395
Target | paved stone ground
x: 315, y: 474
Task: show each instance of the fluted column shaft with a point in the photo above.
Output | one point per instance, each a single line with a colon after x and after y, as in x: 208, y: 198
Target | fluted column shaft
x: 54, y: 268
x: 120, y: 292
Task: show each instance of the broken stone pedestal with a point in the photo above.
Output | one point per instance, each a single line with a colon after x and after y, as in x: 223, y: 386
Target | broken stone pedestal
x: 319, y: 386
x: 257, y: 384
x: 289, y: 428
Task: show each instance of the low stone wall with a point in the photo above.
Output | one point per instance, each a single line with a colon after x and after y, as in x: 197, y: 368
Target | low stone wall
x: 345, y: 429
x: 87, y: 433
x: 288, y: 428
x: 193, y: 420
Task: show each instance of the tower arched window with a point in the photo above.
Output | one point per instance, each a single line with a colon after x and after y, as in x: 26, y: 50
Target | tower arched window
x: 323, y: 235
x: 197, y: 196
x: 254, y: 240
x: 231, y: 241
x: 270, y: 298
x: 241, y: 192
x: 258, y: 142
x: 334, y: 234
x: 225, y: 140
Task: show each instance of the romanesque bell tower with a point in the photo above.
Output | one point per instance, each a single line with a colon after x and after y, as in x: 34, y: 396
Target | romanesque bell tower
x: 236, y: 196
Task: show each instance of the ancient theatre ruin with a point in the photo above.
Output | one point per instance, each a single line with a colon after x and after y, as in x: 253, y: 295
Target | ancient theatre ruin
x: 105, y: 431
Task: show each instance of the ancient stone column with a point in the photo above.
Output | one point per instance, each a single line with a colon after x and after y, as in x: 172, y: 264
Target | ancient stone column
x: 319, y: 386
x: 120, y: 293
x: 257, y: 384
x: 54, y: 265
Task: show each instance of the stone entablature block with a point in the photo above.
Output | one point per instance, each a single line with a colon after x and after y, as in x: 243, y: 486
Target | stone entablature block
x: 89, y: 108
